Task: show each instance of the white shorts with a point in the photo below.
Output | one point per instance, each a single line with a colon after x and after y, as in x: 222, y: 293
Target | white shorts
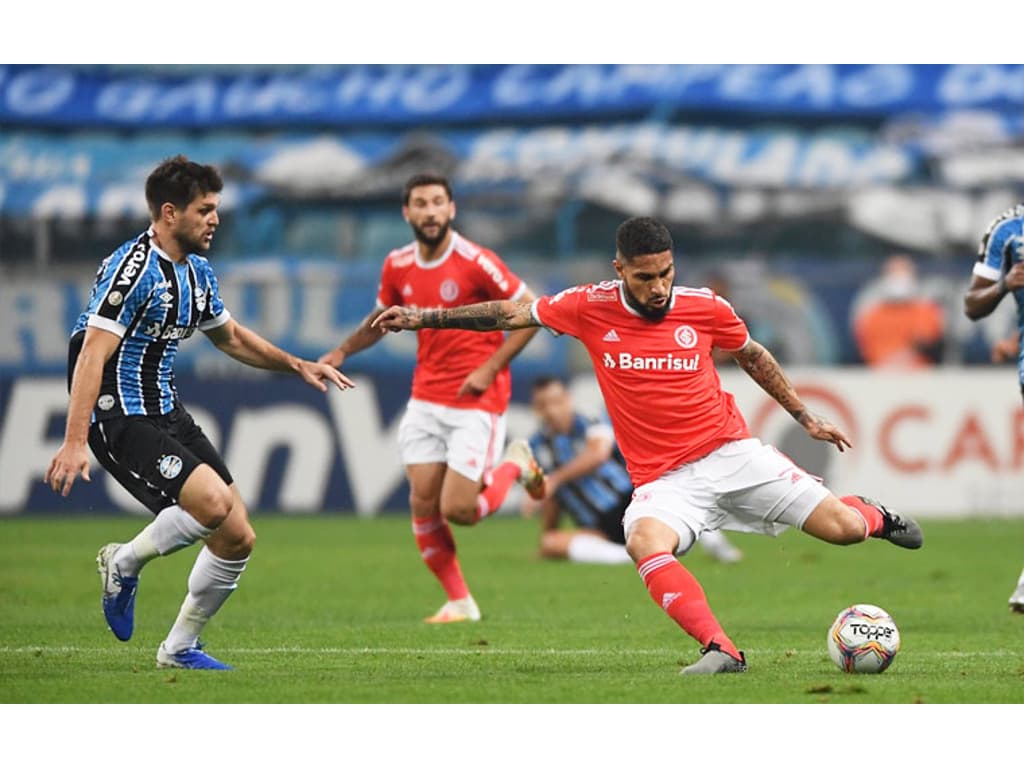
x: 744, y: 485
x: 468, y: 441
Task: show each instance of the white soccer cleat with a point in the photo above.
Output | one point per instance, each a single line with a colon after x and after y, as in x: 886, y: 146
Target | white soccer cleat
x: 1017, y: 599
x: 531, y: 476
x: 453, y: 611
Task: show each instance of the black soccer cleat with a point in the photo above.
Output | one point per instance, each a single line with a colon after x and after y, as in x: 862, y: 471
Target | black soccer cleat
x: 901, y: 531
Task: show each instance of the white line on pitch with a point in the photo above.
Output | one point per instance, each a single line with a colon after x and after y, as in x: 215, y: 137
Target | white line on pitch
x: 481, y: 650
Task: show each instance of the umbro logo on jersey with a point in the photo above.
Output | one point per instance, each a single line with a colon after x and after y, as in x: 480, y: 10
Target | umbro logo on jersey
x: 611, y: 336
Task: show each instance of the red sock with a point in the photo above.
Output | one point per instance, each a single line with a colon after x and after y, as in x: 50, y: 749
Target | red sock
x: 494, y: 494
x: 872, y: 517
x: 680, y: 595
x: 437, y: 547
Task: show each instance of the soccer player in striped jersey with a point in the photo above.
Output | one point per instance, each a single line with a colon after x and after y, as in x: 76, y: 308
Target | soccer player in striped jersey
x: 998, y: 271
x: 588, y: 480
x: 453, y: 431
x: 693, y: 463
x: 151, y: 293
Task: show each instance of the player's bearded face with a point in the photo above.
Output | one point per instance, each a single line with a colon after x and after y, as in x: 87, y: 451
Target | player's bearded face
x: 195, y: 225
x: 429, y: 213
x: 647, y: 283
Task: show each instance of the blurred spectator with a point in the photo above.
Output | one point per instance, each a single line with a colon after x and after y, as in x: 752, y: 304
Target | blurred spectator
x: 894, y: 323
x: 1006, y: 350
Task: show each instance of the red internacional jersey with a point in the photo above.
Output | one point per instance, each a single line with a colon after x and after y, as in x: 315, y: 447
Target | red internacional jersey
x: 465, y: 274
x: 663, y: 395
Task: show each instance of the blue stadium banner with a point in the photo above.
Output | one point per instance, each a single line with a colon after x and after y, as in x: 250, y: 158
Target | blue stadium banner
x: 98, y: 96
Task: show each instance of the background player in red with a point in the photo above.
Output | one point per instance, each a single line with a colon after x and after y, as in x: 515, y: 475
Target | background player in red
x: 692, y: 460
x: 453, y: 430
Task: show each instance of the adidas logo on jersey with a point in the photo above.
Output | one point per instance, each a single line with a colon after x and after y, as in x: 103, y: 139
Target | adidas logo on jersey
x: 611, y: 336
x: 407, y: 291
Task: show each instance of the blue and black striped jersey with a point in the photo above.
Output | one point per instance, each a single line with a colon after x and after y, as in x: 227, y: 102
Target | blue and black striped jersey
x: 152, y: 303
x: 1001, y: 247
x: 603, y: 493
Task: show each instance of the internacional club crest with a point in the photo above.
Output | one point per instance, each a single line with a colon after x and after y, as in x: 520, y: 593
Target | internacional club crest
x: 449, y: 290
x: 686, y: 337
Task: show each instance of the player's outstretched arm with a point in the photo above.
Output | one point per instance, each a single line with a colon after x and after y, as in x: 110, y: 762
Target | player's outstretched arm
x: 478, y: 381
x: 984, y: 295
x: 362, y: 337
x: 486, y: 316
x: 249, y: 347
x: 763, y: 368
x: 72, y: 458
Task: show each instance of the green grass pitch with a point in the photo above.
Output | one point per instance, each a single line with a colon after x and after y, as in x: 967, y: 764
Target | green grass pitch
x: 331, y: 610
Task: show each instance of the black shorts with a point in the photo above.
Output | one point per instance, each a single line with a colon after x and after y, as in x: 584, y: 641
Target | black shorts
x: 150, y: 456
x: 153, y: 456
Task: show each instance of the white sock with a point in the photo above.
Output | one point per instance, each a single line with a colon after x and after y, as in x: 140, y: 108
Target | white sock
x: 173, y: 529
x: 584, y: 548
x: 211, y: 582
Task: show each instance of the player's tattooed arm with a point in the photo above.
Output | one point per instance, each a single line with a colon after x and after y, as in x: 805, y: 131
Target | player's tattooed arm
x: 763, y: 368
x: 486, y: 316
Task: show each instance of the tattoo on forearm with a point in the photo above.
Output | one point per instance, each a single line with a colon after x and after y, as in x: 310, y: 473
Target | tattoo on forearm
x: 443, y: 318
x: 488, y: 316
x: 765, y: 370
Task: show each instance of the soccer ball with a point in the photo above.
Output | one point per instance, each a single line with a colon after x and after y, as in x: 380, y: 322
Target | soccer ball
x: 864, y: 639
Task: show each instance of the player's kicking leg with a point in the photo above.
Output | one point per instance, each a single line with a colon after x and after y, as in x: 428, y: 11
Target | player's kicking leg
x: 652, y: 544
x: 852, y: 519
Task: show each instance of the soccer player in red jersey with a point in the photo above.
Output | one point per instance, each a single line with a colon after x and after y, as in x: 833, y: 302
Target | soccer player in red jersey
x: 692, y: 460
x: 453, y: 431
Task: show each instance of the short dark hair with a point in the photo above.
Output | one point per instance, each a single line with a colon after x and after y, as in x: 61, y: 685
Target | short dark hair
x: 179, y: 181
x: 543, y: 382
x: 425, y: 180
x: 641, y: 236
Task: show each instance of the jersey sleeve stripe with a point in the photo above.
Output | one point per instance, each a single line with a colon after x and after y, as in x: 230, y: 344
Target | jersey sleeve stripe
x: 536, y: 317
x: 523, y: 288
x: 106, y: 324
x: 984, y: 270
x: 216, y: 322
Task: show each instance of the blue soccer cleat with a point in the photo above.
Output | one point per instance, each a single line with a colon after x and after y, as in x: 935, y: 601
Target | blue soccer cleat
x: 191, y: 658
x: 118, y: 593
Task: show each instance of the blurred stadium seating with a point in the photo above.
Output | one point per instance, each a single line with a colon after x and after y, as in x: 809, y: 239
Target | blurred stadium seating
x: 787, y: 184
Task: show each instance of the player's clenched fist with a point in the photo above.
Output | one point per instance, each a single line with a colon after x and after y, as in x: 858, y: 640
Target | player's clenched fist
x: 398, y: 319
